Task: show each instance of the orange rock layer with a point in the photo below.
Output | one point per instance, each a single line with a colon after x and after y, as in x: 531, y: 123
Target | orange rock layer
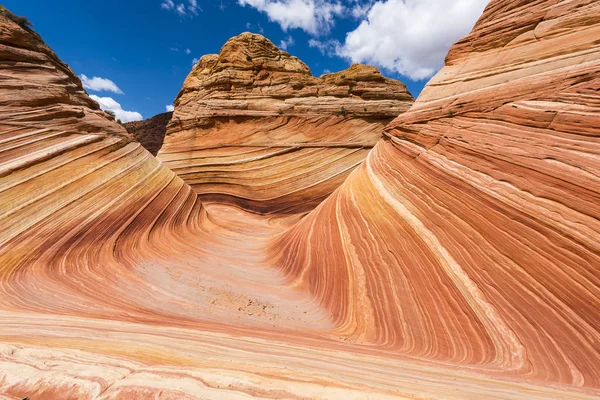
x: 254, y: 128
x: 461, y: 259
x: 471, y: 234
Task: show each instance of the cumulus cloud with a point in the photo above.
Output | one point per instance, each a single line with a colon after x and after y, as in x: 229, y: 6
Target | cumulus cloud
x: 411, y: 37
x: 187, y: 51
x: 170, y: 107
x: 286, y: 43
x: 313, y: 16
x: 360, y: 9
x: 108, y: 103
x: 98, y: 84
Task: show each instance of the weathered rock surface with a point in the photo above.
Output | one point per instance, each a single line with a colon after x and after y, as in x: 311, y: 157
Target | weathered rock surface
x: 252, y: 77
x: 253, y: 127
x: 460, y: 260
x: 37, y: 87
x: 471, y: 234
x: 150, y: 132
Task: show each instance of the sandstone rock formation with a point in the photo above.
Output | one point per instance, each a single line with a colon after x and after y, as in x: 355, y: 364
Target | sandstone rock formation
x: 38, y: 87
x: 253, y: 127
x: 150, y: 132
x: 471, y: 234
x: 460, y: 260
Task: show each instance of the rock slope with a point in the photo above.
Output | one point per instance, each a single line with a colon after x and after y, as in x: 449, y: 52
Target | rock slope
x: 150, y: 132
x: 471, y: 234
x: 460, y: 260
x: 39, y: 88
x: 253, y: 127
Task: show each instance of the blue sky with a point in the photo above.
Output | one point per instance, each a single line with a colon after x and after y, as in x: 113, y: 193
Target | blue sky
x: 142, y: 45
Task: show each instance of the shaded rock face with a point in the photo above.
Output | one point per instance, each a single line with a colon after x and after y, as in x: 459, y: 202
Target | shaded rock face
x: 461, y: 259
x: 482, y: 207
x: 150, y: 132
x: 253, y: 127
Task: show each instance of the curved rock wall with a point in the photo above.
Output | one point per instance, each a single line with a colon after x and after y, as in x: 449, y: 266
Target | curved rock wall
x: 471, y: 233
x: 71, y: 182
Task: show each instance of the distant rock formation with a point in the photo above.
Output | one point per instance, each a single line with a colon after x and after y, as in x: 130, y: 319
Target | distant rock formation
x: 251, y: 77
x: 150, y: 132
x: 252, y: 126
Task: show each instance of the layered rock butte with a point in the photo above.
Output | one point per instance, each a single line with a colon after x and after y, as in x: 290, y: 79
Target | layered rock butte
x: 461, y: 259
x: 253, y: 127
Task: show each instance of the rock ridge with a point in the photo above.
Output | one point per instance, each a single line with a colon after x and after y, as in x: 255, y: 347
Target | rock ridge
x: 252, y: 77
x: 32, y: 77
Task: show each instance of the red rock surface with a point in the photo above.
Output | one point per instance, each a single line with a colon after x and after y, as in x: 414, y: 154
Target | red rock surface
x: 253, y: 127
x: 460, y: 260
x: 471, y: 234
x: 150, y: 132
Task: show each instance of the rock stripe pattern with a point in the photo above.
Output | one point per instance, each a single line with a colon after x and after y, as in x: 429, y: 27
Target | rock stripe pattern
x: 459, y: 260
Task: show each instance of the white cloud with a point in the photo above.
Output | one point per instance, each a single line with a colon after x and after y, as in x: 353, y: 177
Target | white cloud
x: 193, y: 7
x: 170, y: 107
x: 107, y: 103
x: 175, y: 49
x: 284, y: 44
x: 313, y: 16
x: 327, y: 47
x: 182, y: 9
x: 98, y: 84
x: 187, y: 51
x: 411, y: 37
x: 256, y: 28
x: 360, y: 9
x: 195, y: 61
x: 168, y: 5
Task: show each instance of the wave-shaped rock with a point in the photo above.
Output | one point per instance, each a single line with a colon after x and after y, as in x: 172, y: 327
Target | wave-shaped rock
x: 471, y: 234
x: 459, y: 260
x: 253, y: 127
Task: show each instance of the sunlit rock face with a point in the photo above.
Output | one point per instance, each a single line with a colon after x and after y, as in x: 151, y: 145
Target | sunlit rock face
x: 471, y: 233
x: 253, y: 127
x: 461, y: 259
x: 36, y: 87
